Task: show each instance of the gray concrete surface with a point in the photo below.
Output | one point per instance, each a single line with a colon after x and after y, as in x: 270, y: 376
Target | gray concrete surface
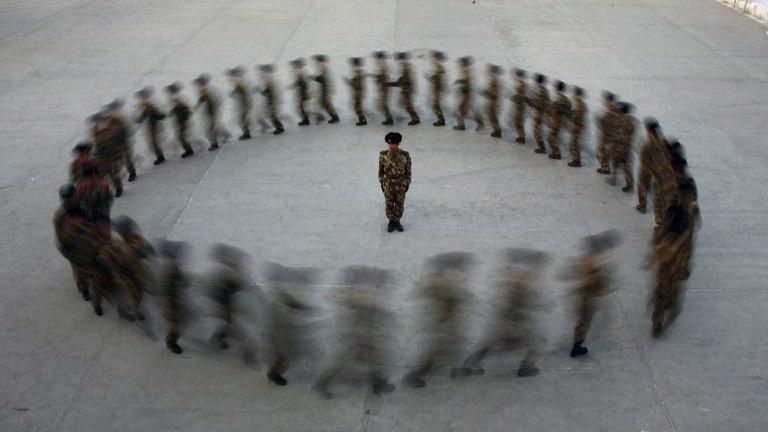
x: 310, y: 197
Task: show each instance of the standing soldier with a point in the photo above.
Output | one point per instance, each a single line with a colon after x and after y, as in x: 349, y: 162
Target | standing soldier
x: 621, y: 148
x: 211, y: 103
x: 242, y: 97
x: 271, y: 96
x: 593, y: 281
x: 323, y: 78
x: 514, y: 324
x: 406, y: 84
x: 173, y: 282
x: 181, y: 114
x: 437, y: 82
x: 357, y: 85
x: 465, y: 85
x: 492, y: 94
x: 444, y: 286
x: 81, y: 154
x: 149, y: 113
x: 381, y: 78
x: 606, y: 124
x: 559, y: 112
x: 226, y: 282
x: 540, y: 105
x: 578, y: 120
x: 395, y: 179
x: 301, y: 86
x: 71, y: 228
x: 519, y: 101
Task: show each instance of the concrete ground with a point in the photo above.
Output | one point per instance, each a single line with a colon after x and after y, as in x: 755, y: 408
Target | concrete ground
x: 310, y: 198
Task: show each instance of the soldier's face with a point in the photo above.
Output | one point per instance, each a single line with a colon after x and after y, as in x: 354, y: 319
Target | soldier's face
x: 393, y: 147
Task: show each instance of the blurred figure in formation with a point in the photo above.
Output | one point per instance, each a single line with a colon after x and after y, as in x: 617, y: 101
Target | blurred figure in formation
x: 81, y: 154
x: 271, y: 97
x: 111, y: 141
x: 289, y: 335
x: 653, y: 175
x: 123, y: 258
x: 242, y: 97
x: 519, y: 101
x: 492, y: 95
x: 558, y: 114
x: 301, y: 87
x: 357, y: 86
x: 578, y: 122
x: 152, y: 116
x: 210, y: 103
x: 173, y: 282
x: 444, y: 287
x: 395, y: 179
x: 93, y: 197
x: 514, y: 323
x: 688, y: 197
x: 325, y: 82
x: 465, y: 85
x: 621, y: 147
x: 606, y: 126
x: 364, y: 323
x: 74, y: 241
x: 591, y: 273
x: 181, y: 113
x: 436, y: 79
x: 540, y: 105
x: 226, y: 281
x: 381, y: 78
x: 407, y: 87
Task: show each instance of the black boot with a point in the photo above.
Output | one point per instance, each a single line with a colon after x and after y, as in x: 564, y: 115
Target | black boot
x: 304, y: 121
x: 413, y: 381
x: 187, y: 153
x: 174, y: 347
x: 388, y: 121
x: 520, y: 140
x: 459, y: 127
x: 334, y: 119
x: 277, y: 378
x: 213, y: 146
x: 118, y: 192
x: 439, y: 122
x: 496, y: 134
x: 399, y: 226
x: 159, y: 160
x: 98, y: 310
x: 278, y: 129
x: 527, y: 369
x: 414, y: 121
x: 381, y: 386
x: 578, y: 350
x: 391, y: 225
x: 540, y: 149
x: 640, y: 208
x: 246, y: 135
x: 131, y: 176
x: 574, y: 163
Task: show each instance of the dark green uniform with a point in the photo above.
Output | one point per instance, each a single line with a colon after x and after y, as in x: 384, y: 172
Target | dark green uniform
x: 578, y: 120
x: 395, y: 178
x: 559, y: 111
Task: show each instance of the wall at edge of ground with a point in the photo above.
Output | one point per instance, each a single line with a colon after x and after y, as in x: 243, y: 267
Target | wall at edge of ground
x: 757, y: 9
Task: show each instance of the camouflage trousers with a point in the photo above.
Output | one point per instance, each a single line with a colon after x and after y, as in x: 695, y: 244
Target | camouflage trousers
x: 575, y: 144
x: 245, y: 122
x: 644, y: 181
x: 182, y: 131
x: 114, y: 168
x: 215, y: 131
x: 492, y: 115
x: 383, y: 103
x: 274, y: 117
x: 538, y: 134
x: 357, y: 105
x: 301, y: 108
x: 327, y: 105
x: 602, y: 155
x: 437, y: 109
x: 666, y: 299
x: 406, y: 102
x: 622, y: 162
x: 502, y: 344
x: 464, y: 110
x: 518, y: 120
x: 553, y: 138
x: 587, y: 308
x: 394, y: 198
x: 153, y: 139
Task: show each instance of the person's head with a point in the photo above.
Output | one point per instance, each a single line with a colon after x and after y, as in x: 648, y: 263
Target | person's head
x: 236, y: 74
x: 144, y: 94
x: 380, y: 56
x: 82, y: 149
x: 519, y: 74
x: 578, y: 91
x: 297, y: 64
x: 402, y: 57
x: 465, y: 62
x: 624, y: 107
x: 174, y: 89
x: 652, y: 126
x: 438, y: 56
x: 201, y: 82
x: 494, y: 70
x: 609, y: 99
x: 356, y: 62
x: 540, y: 79
x: 320, y: 60
x: 393, y: 140
x: 559, y: 86
x: 266, y: 69
x: 113, y: 108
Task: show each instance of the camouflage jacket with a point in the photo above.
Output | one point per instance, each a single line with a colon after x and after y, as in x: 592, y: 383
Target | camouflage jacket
x: 520, y: 98
x: 540, y: 100
x: 240, y: 93
x: 579, y: 113
x: 151, y: 114
x: 559, y: 109
x: 395, y: 168
x: 209, y: 101
x: 437, y: 79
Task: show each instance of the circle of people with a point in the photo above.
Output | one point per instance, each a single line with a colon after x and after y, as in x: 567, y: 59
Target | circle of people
x: 111, y: 260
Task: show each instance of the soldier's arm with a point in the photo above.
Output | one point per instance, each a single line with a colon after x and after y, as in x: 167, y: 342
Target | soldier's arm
x: 381, y: 168
x: 407, y: 172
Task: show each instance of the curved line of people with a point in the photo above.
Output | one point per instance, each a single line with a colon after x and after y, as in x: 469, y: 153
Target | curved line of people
x: 109, y: 258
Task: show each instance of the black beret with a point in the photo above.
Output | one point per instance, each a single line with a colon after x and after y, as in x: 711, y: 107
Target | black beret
x: 266, y: 68
x: 380, y: 54
x: 465, y: 61
x: 393, y: 138
x: 96, y: 117
x: 402, y: 56
x: 625, y: 107
x: 519, y: 73
x: 145, y: 92
x: 608, y: 96
x: 236, y: 71
x: 67, y: 190
x: 356, y: 61
x: 321, y: 58
x: 438, y: 55
x: 297, y: 63
x: 115, y: 104
x: 202, y: 79
x: 539, y: 78
x: 173, y: 88
x: 651, y: 124
x: 494, y: 69
x: 172, y: 249
x: 559, y: 85
x: 82, y: 147
x: 578, y: 91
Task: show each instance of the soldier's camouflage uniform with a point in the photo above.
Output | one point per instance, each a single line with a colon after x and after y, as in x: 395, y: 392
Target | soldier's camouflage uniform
x: 272, y: 100
x: 519, y: 101
x: 437, y: 84
x: 406, y: 84
x: 607, y: 127
x: 173, y: 283
x: 621, y: 149
x: 114, y: 150
x: 210, y: 105
x: 381, y: 78
x: 357, y: 85
x: 492, y: 94
x: 243, y: 99
x: 395, y: 178
x: 540, y: 105
x: 558, y: 113
x: 465, y: 85
x: 152, y: 116
x: 593, y: 281
x: 326, y: 88
x: 578, y: 122
x: 181, y: 114
x: 128, y: 277
x: 301, y: 86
